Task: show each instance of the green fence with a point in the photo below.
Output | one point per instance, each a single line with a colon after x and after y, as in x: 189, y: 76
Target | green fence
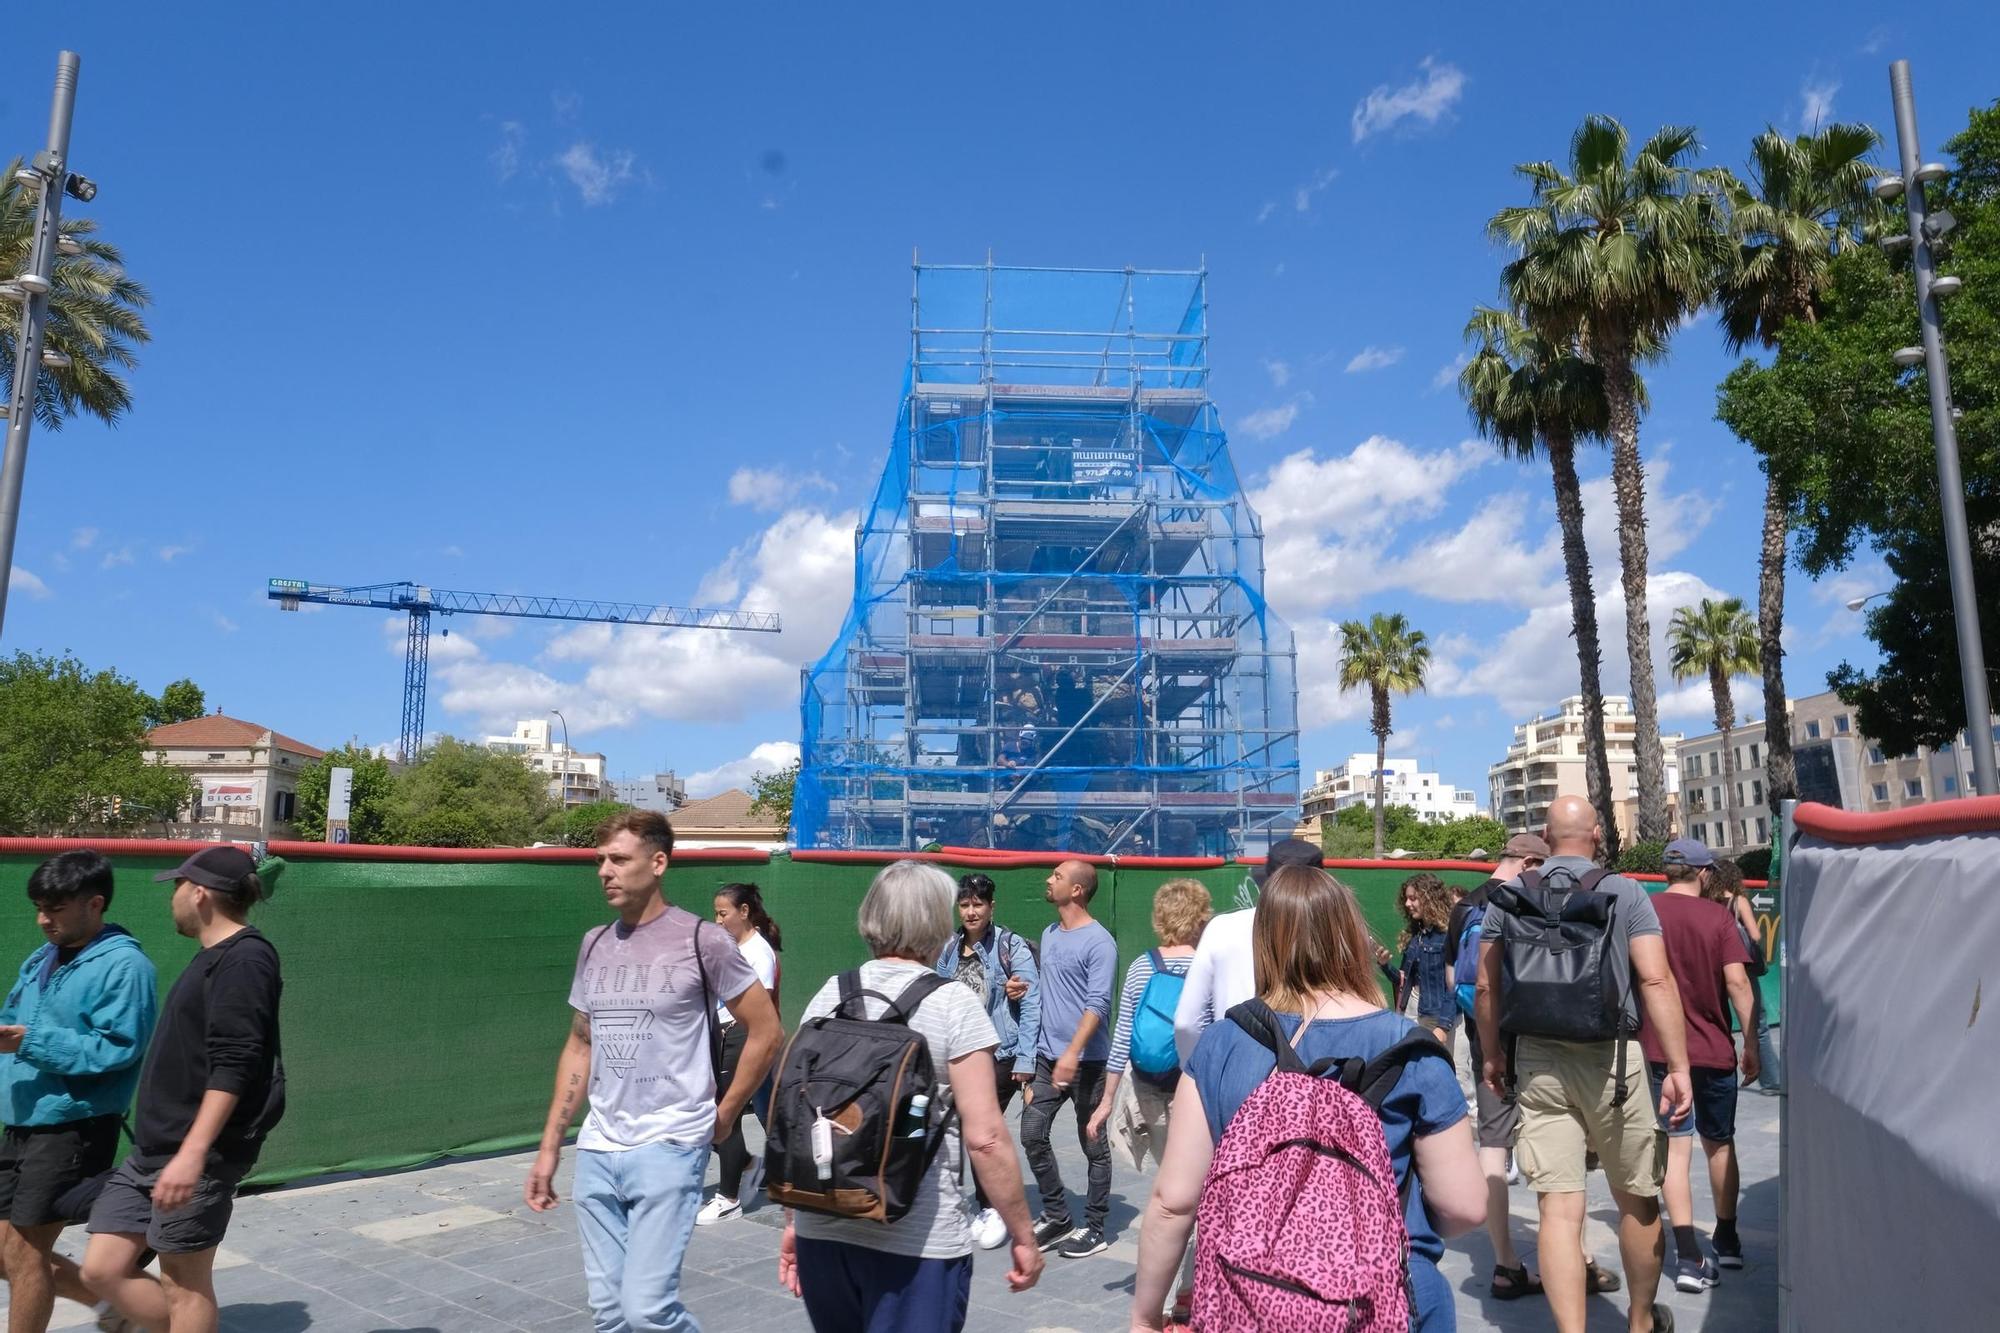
x: 425, y: 998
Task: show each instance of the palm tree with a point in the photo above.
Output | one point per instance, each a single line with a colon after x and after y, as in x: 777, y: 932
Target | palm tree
x: 1717, y: 640
x: 1612, y: 254
x: 1533, y: 397
x: 1387, y: 656
x: 1802, y: 206
x: 94, y: 315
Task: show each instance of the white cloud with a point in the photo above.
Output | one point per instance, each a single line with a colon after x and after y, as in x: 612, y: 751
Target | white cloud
x: 1303, y: 195
x: 769, y: 489
x: 1674, y: 519
x: 598, y: 177
x: 82, y: 539
x: 112, y: 559
x: 506, y: 158
x: 1270, y: 421
x: 222, y: 622
x: 769, y: 757
x: 1426, y: 98
x: 1693, y: 702
x: 565, y: 106
x: 169, y: 554
x: 1264, y: 213
x: 453, y: 552
x: 1372, y: 357
x: 1448, y: 375
x: 1279, y: 371
x: 1816, y: 103
x: 22, y: 581
x: 1488, y: 559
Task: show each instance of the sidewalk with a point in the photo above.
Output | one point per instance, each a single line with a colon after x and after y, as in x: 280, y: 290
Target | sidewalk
x: 451, y: 1248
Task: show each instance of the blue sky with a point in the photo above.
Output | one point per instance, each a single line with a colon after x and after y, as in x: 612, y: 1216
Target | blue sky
x: 610, y: 301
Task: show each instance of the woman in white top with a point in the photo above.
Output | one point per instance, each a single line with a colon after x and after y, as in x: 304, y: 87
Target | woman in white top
x: 739, y: 909
x: 914, y: 1275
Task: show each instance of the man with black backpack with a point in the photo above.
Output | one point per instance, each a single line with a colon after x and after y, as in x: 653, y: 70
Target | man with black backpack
x: 211, y: 1089
x: 1569, y: 955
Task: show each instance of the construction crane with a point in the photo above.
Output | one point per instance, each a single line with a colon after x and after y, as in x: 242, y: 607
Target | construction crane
x: 422, y: 601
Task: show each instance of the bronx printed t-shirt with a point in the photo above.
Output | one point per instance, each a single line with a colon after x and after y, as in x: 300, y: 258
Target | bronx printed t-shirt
x: 1633, y: 915
x: 650, y: 1077
x: 1701, y: 940
x: 953, y: 1021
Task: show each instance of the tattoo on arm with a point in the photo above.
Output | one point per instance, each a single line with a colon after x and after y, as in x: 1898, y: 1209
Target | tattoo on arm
x: 579, y: 1026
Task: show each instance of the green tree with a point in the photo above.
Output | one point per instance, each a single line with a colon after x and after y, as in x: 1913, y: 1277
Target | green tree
x: 577, y: 826
x: 370, y: 800
x: 1717, y: 640
x: 1388, y: 657
x: 773, y: 792
x: 1533, y: 397
x: 1471, y: 834
x: 1349, y: 834
x: 459, y: 794
x: 94, y: 314
x: 1613, y: 254
x: 181, y: 701
x: 1806, y: 201
x: 73, y: 754
x: 1852, y: 431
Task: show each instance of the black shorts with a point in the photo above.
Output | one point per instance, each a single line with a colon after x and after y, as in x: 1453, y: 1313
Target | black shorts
x: 126, y: 1206
x: 41, y: 1163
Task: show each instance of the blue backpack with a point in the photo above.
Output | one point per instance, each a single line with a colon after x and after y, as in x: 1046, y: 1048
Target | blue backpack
x: 1153, y: 1021
x: 1466, y: 992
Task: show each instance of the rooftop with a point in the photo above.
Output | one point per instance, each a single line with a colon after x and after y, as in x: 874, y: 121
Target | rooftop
x: 216, y: 731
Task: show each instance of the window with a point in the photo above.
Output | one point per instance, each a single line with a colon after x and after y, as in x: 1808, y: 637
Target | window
x: 1881, y: 791
x: 1756, y: 758
x: 283, y: 805
x: 1715, y: 797
x: 1812, y: 730
x: 1763, y: 836
x: 1913, y: 788
x: 215, y: 754
x: 1757, y: 793
x: 1701, y: 833
x: 1950, y: 784
x: 1840, y: 727
x: 1874, y: 754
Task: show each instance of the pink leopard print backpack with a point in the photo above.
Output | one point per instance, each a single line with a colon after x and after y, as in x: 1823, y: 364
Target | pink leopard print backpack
x: 1300, y: 1225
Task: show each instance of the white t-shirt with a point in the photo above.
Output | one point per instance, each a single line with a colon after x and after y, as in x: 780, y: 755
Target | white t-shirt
x: 1222, y: 975
x: 954, y: 1022
x: 763, y: 960
x: 650, y: 1077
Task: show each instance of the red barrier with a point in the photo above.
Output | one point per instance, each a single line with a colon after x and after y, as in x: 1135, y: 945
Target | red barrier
x: 1973, y: 814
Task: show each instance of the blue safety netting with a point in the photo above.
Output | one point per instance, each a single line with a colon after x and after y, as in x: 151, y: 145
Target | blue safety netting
x: 1058, y: 636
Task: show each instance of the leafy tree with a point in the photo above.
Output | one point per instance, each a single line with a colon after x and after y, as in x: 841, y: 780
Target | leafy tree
x: 1535, y: 397
x: 1806, y: 202
x: 1644, y: 858
x: 94, y: 314
x: 1388, y: 657
x: 459, y: 794
x: 1612, y: 254
x: 577, y: 826
x: 370, y: 802
x: 1473, y: 833
x: 1349, y: 834
x: 1853, y: 432
x: 73, y: 754
x: 181, y: 701
x: 773, y: 792
x: 1755, y: 863
x: 1717, y: 640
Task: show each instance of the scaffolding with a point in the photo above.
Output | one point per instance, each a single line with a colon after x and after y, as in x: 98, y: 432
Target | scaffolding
x: 1058, y: 637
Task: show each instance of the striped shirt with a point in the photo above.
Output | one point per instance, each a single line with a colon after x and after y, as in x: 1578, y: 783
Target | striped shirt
x: 1136, y: 977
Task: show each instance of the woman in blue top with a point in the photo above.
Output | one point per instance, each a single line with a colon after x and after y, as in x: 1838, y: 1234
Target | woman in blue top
x: 1426, y: 905
x: 1313, y: 961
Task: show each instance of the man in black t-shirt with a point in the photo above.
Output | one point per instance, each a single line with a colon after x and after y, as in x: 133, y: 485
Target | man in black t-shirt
x: 212, y: 1087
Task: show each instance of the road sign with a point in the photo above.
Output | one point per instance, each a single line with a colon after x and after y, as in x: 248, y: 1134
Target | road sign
x: 339, y: 795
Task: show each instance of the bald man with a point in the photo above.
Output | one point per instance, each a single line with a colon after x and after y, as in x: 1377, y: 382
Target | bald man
x: 1079, y: 967
x: 1570, y: 1099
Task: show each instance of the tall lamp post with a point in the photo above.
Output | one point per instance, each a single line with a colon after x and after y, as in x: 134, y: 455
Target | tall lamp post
x: 563, y: 769
x: 50, y: 177
x: 1925, y: 228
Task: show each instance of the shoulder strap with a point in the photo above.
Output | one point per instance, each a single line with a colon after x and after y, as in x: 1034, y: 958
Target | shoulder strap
x: 1592, y: 878
x: 1003, y: 939
x: 1530, y: 880
x: 1375, y: 1079
x: 904, y: 1006
x: 591, y: 947
x: 1256, y: 1018
x: 1159, y: 963
x: 708, y: 1002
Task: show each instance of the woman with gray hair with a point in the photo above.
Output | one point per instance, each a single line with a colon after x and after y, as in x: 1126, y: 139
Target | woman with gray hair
x: 914, y: 1275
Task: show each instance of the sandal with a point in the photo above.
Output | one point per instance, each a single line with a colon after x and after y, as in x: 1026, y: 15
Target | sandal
x: 1596, y: 1280
x: 1520, y: 1282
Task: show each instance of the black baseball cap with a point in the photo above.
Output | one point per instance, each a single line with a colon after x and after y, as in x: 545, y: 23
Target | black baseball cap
x: 1290, y: 852
x: 221, y: 868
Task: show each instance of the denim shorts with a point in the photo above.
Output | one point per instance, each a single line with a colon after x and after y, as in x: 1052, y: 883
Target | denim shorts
x: 1714, y: 1115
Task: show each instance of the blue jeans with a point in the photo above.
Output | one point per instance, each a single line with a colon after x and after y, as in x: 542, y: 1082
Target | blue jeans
x: 634, y: 1213
x: 849, y: 1289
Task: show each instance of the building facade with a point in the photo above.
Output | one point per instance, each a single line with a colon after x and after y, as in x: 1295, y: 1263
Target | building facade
x: 726, y: 820
x: 248, y: 776
x: 659, y: 791
x: 1353, y: 783
x: 574, y: 778
x: 1546, y: 761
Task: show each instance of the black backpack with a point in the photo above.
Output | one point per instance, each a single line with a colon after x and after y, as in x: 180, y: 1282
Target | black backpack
x: 865, y: 1077
x: 1556, y: 973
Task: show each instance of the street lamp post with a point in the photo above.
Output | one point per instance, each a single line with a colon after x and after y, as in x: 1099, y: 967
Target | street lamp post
x: 1925, y: 228
x: 563, y: 770
x: 49, y: 175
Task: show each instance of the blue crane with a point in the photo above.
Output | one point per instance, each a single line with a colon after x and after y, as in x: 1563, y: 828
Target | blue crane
x: 421, y: 601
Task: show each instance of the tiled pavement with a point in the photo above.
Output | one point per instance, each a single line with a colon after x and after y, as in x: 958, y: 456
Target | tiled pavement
x: 451, y: 1248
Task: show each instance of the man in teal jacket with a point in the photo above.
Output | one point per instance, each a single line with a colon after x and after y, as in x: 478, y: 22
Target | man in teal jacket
x: 72, y: 1034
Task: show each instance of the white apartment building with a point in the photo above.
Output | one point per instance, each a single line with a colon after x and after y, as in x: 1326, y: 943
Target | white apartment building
x: 1353, y: 783
x: 660, y: 791
x: 1546, y: 761
x: 574, y: 778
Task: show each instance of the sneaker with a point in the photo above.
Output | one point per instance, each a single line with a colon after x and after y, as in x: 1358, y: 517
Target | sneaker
x: 1696, y: 1277
x: 1086, y: 1242
x: 989, y: 1230
x: 717, y: 1209
x: 1728, y: 1250
x: 1049, y: 1234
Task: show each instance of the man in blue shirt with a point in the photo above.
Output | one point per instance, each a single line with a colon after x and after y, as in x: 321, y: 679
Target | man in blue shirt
x: 1079, y: 968
x: 72, y: 1033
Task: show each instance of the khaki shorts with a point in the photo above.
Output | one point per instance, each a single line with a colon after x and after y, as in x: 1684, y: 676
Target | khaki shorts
x: 1564, y: 1092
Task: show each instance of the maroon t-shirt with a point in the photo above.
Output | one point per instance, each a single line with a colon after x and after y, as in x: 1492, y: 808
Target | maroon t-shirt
x: 1701, y: 940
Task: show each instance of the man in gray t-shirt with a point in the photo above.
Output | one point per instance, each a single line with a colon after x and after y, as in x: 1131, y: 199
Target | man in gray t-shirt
x: 1571, y: 1097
